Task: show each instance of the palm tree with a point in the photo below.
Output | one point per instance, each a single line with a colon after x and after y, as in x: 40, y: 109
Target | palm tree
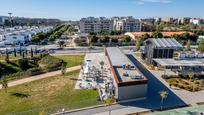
x: 109, y: 102
x: 4, y: 84
x: 163, y: 95
x: 102, y: 64
x: 191, y: 75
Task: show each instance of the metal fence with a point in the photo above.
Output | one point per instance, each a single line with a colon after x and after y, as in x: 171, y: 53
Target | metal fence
x: 58, y: 108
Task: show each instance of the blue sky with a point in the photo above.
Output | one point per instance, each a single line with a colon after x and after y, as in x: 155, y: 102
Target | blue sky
x: 75, y: 9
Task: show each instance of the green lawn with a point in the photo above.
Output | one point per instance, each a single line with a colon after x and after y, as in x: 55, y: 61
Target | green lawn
x: 72, y: 60
x: 12, y: 57
x: 13, y: 66
x: 48, y: 95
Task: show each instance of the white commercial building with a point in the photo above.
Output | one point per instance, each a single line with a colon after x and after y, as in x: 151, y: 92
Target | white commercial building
x: 130, y: 83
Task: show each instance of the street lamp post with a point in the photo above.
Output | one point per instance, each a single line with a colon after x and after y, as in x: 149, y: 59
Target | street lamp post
x: 10, y: 19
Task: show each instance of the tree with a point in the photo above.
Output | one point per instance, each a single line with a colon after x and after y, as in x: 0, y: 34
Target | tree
x: 23, y: 64
x: 191, y: 75
x: 157, y: 34
x: 201, y: 45
x: 188, y: 45
x: 104, y: 32
x: 163, y: 95
x: 4, y: 84
x: 138, y: 45
x: 61, y: 44
x: 93, y: 39
x: 20, y: 50
x: 23, y: 55
x: 104, y: 39
x: 145, y: 36
x: 7, y: 56
x: 38, y: 37
x: 31, y: 52
x: 114, y: 40
x: 14, y: 52
x: 126, y: 38
x: 102, y: 64
x: 185, y: 36
x: 63, y: 68
x: 92, y: 34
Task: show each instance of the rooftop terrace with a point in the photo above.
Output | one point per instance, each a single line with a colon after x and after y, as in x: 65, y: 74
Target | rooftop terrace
x: 126, y: 72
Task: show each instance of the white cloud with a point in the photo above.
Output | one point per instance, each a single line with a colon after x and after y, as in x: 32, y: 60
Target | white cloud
x: 141, y: 2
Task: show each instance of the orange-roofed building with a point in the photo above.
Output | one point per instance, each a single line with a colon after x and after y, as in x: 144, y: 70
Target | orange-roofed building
x: 135, y: 35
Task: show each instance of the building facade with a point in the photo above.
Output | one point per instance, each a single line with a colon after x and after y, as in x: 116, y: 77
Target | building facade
x: 130, y: 83
x: 92, y: 24
x: 128, y: 24
x: 197, y: 21
x: 160, y: 48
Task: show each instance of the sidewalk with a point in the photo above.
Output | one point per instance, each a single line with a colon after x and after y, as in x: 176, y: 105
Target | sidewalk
x: 41, y: 76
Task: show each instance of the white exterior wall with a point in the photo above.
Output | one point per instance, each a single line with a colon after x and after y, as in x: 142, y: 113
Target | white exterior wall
x: 132, y: 92
x: 13, y: 39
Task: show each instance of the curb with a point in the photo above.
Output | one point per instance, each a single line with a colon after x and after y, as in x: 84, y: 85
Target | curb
x: 81, y: 109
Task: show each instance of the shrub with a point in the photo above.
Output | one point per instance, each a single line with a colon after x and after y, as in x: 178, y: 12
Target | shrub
x: 23, y: 64
x: 197, y: 82
x: 104, y: 39
x: 114, y: 40
x: 165, y: 76
x: 49, y: 62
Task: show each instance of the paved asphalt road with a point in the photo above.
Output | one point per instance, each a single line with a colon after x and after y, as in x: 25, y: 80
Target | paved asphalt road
x: 153, y: 99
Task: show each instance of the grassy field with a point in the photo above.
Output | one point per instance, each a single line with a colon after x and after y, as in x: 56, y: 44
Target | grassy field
x: 72, y: 60
x: 48, y: 95
x: 13, y: 66
x: 12, y: 57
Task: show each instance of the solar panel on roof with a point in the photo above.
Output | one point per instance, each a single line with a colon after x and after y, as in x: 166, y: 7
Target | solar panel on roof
x: 178, y: 44
x: 156, y: 43
x: 169, y: 40
x: 160, y: 43
x: 166, y: 42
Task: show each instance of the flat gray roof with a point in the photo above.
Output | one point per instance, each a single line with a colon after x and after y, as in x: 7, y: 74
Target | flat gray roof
x: 173, y: 62
x: 117, y: 57
x: 165, y: 43
x: 131, y: 73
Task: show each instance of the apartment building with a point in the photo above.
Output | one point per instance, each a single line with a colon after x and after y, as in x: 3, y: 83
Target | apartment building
x: 20, y: 35
x: 184, y: 20
x: 197, y: 21
x: 168, y: 20
x: 128, y: 24
x: 92, y: 24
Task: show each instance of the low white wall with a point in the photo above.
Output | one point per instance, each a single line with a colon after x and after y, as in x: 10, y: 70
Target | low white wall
x: 132, y: 92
